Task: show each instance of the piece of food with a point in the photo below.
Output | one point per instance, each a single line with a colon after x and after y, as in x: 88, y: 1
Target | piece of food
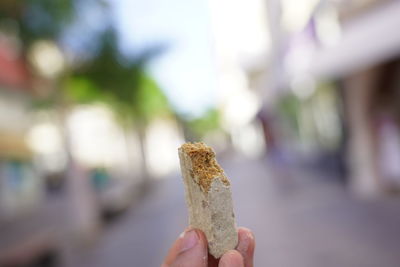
x: 208, y: 197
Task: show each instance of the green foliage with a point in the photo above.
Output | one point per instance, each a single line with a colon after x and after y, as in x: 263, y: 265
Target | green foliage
x: 37, y: 19
x: 42, y: 104
x: 122, y: 83
x: 151, y: 102
x: 208, y: 122
x: 289, y: 107
x: 81, y: 90
x: 109, y: 77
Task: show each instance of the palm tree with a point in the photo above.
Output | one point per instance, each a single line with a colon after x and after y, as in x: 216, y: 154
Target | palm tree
x: 124, y: 85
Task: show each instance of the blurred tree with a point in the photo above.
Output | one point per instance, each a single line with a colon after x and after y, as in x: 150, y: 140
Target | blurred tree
x: 288, y: 107
x: 123, y: 84
x: 105, y: 76
x: 197, y: 128
x: 37, y: 19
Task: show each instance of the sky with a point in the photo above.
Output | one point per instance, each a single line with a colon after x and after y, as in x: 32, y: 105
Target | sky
x: 185, y: 71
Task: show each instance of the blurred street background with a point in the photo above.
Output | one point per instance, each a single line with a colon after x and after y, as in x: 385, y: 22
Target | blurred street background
x: 299, y: 99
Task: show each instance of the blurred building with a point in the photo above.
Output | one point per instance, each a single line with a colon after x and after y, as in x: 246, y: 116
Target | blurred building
x: 21, y: 188
x: 330, y: 80
x: 18, y: 182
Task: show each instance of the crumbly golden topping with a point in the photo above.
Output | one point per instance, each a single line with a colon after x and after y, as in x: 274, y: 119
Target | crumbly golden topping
x: 205, y: 167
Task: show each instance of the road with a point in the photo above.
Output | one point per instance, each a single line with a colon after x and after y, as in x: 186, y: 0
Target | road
x: 300, y: 219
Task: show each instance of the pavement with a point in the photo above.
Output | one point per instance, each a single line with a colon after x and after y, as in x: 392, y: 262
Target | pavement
x: 299, y: 218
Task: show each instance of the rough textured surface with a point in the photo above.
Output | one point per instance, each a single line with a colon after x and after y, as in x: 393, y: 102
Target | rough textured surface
x: 204, y: 166
x: 208, y: 197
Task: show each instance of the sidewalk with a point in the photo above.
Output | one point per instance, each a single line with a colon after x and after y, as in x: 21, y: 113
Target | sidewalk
x: 299, y: 220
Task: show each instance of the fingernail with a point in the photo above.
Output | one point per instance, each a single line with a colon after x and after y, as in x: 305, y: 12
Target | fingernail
x: 189, y: 240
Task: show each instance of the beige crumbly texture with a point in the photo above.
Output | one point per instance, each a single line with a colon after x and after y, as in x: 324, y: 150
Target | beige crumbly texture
x: 208, y: 197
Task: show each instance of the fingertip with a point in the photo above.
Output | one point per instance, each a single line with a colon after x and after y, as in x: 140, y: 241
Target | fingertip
x: 200, y: 234
x: 191, y: 246
x: 246, y: 238
x: 246, y: 245
x: 246, y: 231
x: 232, y: 258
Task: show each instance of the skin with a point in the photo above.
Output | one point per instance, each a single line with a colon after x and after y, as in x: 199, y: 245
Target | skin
x: 190, y: 249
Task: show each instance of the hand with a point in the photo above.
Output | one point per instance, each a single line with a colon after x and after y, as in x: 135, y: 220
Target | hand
x: 190, y: 250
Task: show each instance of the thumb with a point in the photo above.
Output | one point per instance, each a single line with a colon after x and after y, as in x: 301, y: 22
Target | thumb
x: 189, y: 250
